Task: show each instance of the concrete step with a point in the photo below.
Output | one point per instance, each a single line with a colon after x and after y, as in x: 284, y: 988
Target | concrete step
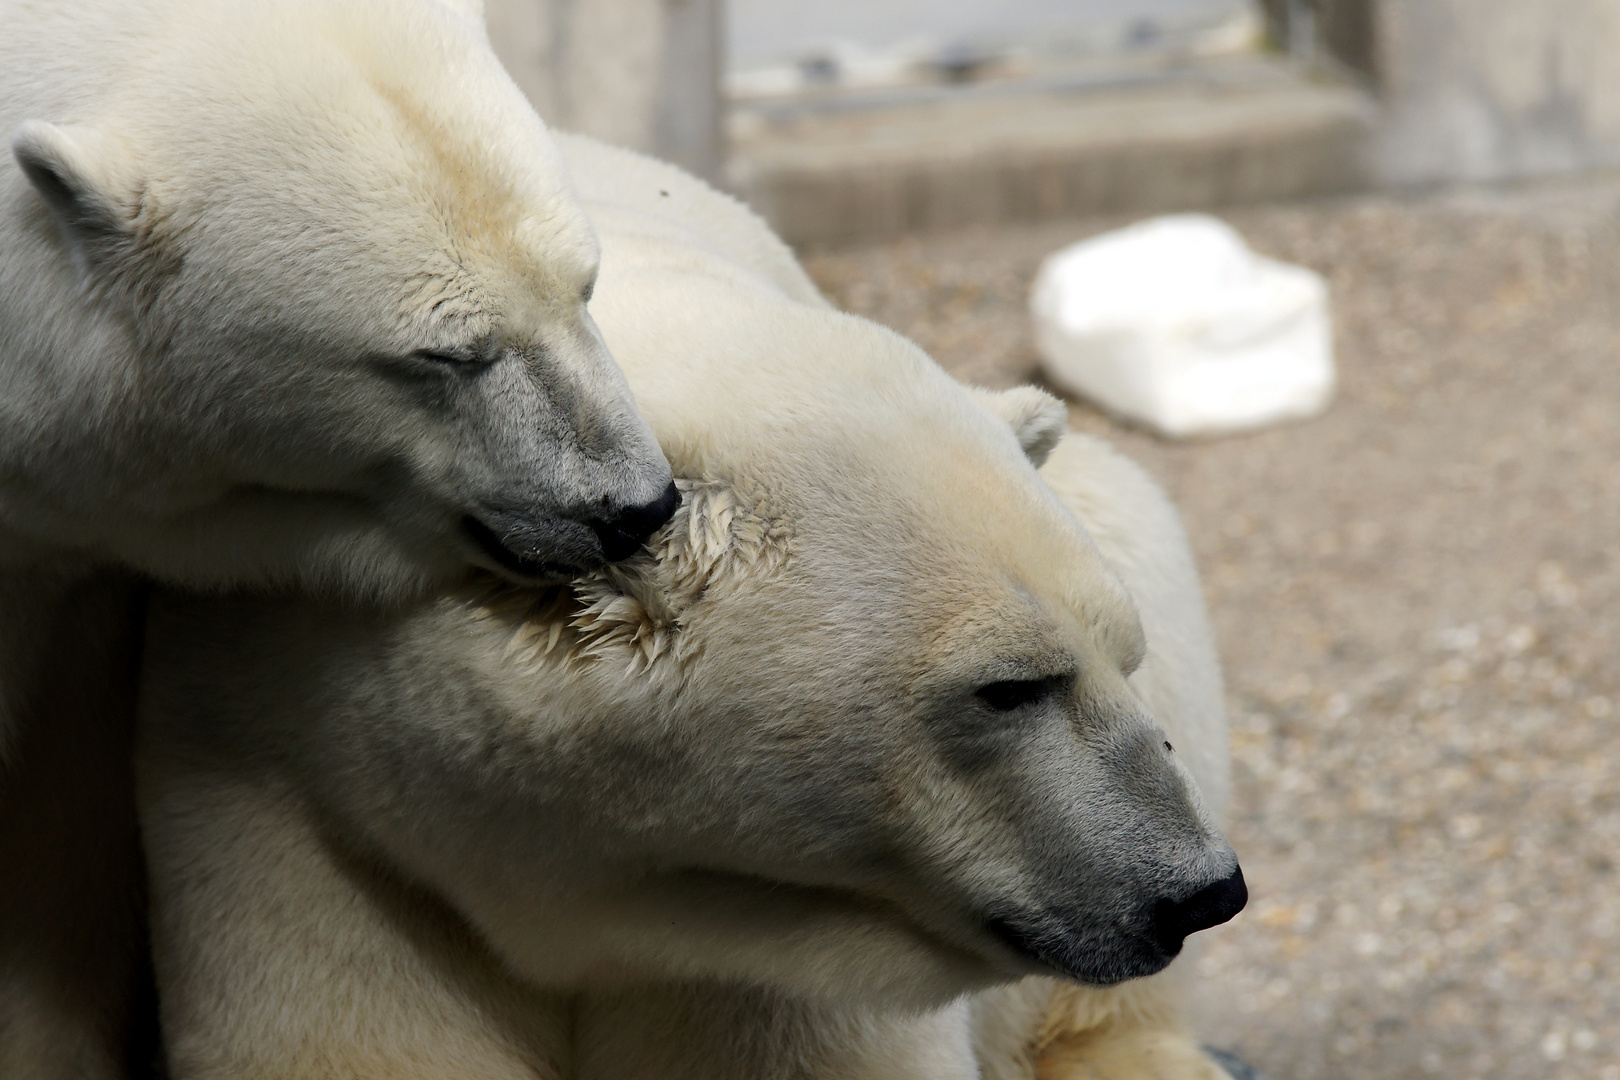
x: 841, y: 168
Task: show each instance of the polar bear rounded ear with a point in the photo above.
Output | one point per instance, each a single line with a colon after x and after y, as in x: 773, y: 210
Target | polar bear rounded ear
x: 75, y: 171
x: 1037, y: 418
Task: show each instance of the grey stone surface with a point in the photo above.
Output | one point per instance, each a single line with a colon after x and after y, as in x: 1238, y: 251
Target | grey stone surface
x: 640, y: 73
x: 763, y: 32
x: 1477, y: 89
x: 1219, y: 134
x: 1487, y: 89
x: 1469, y: 89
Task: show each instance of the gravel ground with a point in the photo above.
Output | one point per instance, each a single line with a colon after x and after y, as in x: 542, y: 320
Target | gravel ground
x: 1417, y: 597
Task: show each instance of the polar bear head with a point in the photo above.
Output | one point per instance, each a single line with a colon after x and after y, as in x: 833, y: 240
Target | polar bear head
x: 859, y: 723
x: 303, y: 298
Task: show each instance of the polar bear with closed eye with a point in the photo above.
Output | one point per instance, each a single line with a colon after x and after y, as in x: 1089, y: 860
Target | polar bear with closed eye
x: 887, y: 758
x: 292, y: 294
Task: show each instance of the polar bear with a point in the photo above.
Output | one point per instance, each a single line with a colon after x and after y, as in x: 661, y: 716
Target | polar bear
x: 879, y: 720
x: 292, y: 293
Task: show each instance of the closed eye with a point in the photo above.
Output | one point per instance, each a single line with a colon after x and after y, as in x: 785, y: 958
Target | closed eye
x: 456, y: 357
x: 1010, y: 694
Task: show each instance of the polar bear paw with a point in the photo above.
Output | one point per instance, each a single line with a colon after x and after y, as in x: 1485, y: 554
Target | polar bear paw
x: 1131, y: 1054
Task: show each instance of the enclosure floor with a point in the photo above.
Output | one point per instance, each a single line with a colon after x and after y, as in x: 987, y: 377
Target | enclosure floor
x: 1417, y: 598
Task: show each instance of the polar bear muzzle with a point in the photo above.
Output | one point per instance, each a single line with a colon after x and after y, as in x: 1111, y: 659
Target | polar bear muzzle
x: 622, y: 535
x: 568, y: 548
x: 1066, y: 942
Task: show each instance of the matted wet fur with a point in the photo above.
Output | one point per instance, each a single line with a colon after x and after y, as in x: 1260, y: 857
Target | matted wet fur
x: 631, y: 611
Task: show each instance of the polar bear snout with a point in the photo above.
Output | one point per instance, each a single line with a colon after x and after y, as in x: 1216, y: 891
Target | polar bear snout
x: 1115, y: 861
x: 552, y: 548
x: 1215, y: 903
x: 622, y: 535
x: 1081, y: 942
x: 570, y: 476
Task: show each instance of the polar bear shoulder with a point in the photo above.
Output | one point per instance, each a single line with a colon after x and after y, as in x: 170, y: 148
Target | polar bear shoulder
x: 629, y: 194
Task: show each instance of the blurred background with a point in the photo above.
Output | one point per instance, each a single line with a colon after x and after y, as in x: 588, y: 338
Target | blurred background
x: 845, y: 119
x: 1417, y: 592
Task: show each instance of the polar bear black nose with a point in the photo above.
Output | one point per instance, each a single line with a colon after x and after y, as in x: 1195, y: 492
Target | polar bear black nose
x: 622, y: 535
x: 1210, y: 906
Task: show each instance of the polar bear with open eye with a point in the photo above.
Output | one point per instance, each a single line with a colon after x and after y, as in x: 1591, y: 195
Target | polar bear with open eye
x: 292, y: 293
x: 886, y: 759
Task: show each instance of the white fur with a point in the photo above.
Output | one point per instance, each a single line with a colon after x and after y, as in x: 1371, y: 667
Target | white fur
x: 229, y: 229
x: 229, y: 232
x: 735, y: 808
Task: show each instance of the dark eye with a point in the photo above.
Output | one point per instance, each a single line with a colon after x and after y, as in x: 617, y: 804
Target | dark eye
x: 454, y: 357
x: 1014, y: 693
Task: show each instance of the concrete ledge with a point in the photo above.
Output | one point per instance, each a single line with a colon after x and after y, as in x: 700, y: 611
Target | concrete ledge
x: 833, y: 175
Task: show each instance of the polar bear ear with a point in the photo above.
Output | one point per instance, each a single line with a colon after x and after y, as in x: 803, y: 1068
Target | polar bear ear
x: 1037, y: 418
x: 76, y: 171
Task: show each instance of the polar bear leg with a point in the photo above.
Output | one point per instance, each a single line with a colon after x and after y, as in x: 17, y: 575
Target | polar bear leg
x: 1041, y: 1029
x: 281, y: 958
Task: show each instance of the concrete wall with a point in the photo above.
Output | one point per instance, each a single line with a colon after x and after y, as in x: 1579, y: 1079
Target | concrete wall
x: 1488, y: 89
x: 639, y: 73
x: 1343, y: 30
x: 1471, y: 89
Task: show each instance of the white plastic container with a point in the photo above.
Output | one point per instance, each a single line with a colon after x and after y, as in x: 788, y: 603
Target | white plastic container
x: 1176, y: 324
